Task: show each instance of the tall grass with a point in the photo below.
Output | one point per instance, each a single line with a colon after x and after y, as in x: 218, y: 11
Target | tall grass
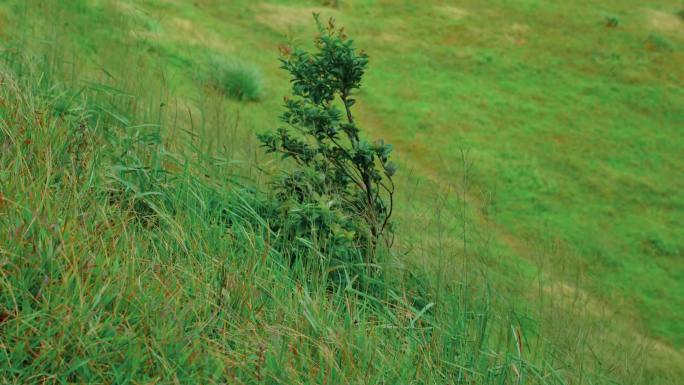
x: 127, y: 256
x: 120, y: 265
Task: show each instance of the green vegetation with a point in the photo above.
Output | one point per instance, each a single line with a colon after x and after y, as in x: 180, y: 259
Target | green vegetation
x: 121, y: 265
x: 236, y: 79
x: 539, y: 208
x: 341, y: 194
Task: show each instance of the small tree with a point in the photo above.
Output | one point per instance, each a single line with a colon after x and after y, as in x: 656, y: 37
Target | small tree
x: 334, y: 166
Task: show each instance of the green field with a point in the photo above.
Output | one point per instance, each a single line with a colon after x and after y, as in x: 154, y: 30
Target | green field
x: 540, y: 213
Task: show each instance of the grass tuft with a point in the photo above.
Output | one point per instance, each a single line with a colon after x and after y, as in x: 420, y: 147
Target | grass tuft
x: 236, y: 79
x: 612, y: 21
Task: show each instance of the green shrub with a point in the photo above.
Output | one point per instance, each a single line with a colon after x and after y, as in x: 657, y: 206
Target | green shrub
x: 612, y: 21
x: 236, y: 79
x: 340, y: 194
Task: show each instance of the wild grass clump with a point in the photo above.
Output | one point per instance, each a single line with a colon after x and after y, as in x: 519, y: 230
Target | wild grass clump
x: 656, y: 42
x: 611, y: 21
x: 236, y: 79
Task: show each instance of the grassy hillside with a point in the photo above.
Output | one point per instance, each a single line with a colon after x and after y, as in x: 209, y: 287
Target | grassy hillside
x: 540, y: 210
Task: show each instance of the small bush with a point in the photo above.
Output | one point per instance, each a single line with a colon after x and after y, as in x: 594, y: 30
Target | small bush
x: 236, y: 79
x: 340, y: 194
x: 611, y: 21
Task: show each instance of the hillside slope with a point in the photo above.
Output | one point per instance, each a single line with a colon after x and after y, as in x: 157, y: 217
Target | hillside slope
x: 548, y: 136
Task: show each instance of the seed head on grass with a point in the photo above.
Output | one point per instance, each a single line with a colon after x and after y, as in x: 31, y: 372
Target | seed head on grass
x: 236, y: 79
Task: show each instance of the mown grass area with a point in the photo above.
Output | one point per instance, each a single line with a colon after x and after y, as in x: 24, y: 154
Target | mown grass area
x: 549, y: 135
